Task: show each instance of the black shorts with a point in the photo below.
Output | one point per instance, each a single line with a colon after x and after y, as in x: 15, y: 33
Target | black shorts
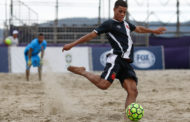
x: 117, y: 67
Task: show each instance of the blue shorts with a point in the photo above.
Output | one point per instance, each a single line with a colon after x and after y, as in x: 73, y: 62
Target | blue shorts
x: 35, y: 61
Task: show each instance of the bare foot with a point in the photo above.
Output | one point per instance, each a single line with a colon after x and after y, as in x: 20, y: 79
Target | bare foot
x: 76, y: 70
x: 125, y: 118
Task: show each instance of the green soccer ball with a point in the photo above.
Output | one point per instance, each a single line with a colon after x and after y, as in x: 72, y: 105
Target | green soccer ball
x: 134, y: 112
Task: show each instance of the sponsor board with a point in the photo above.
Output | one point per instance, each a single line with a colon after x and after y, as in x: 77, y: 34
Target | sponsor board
x: 144, y: 58
x: 4, y: 61
x: 99, y: 57
x: 148, y: 58
x: 54, y: 59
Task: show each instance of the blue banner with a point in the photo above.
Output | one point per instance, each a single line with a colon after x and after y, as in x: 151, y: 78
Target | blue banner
x: 99, y: 57
x: 176, y: 51
x: 175, y: 42
x: 4, y: 64
x: 144, y: 58
x: 177, y: 58
x: 148, y: 58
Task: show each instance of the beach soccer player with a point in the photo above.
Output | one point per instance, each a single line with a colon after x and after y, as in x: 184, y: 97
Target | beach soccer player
x: 121, y: 55
x: 31, y: 53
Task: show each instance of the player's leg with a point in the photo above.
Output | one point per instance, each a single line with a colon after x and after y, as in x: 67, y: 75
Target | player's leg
x: 27, y: 71
x: 27, y: 74
x: 40, y: 72
x: 105, y: 80
x: 95, y: 79
x: 27, y: 67
x: 130, y: 86
x: 128, y: 80
x: 36, y: 63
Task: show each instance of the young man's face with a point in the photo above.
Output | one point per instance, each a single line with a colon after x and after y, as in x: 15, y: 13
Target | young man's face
x: 40, y: 39
x: 119, y: 13
x: 15, y: 35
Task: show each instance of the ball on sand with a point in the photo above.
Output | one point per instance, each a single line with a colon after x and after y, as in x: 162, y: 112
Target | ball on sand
x: 134, y: 112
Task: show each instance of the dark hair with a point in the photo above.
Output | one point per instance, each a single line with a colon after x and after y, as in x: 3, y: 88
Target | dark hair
x: 120, y: 3
x: 40, y: 34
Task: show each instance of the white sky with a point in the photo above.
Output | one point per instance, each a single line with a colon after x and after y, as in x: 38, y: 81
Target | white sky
x: 159, y: 10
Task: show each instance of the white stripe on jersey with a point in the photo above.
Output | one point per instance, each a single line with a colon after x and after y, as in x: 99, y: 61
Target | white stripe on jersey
x: 95, y: 31
x: 111, y: 59
x: 112, y: 36
x: 130, y: 42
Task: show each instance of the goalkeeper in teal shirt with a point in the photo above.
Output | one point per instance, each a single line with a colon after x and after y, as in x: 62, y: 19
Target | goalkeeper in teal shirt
x: 31, y: 54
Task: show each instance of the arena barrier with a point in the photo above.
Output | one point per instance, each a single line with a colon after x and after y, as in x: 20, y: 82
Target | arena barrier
x: 93, y: 58
x: 144, y: 58
x: 177, y: 57
x: 176, y: 50
x: 54, y: 60
x: 99, y: 57
x: 4, y: 59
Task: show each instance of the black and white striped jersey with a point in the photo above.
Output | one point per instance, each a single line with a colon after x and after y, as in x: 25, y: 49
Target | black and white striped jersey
x: 118, y: 34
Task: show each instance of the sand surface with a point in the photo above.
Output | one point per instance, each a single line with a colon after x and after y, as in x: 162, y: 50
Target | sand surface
x: 165, y: 96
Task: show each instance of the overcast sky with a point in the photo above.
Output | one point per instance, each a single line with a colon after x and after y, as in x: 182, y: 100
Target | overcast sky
x: 140, y: 10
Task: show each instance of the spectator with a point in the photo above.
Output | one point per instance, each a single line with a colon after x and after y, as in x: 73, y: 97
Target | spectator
x: 12, y: 40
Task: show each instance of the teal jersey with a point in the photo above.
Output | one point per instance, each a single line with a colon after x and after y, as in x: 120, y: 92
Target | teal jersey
x: 36, y: 47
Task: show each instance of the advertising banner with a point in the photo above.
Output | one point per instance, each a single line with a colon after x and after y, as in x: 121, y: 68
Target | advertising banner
x: 177, y: 58
x: 4, y: 62
x: 144, y: 58
x: 176, y: 50
x: 148, y: 58
x: 99, y: 57
x: 54, y: 59
x: 170, y: 42
x: 58, y: 61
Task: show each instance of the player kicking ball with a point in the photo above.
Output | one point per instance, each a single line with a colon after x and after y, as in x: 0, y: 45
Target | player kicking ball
x: 121, y: 55
x: 31, y: 55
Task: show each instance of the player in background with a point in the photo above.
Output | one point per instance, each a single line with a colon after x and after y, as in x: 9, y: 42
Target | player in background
x: 12, y: 40
x: 118, y: 60
x: 31, y: 54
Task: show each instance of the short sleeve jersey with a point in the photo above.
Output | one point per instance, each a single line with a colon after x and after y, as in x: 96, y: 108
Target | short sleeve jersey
x: 36, y: 46
x: 118, y: 34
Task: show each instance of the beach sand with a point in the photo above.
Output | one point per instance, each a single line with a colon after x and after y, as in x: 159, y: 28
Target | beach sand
x: 66, y: 97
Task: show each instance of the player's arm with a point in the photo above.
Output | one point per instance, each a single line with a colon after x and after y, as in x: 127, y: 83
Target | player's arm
x: 29, y: 57
x: 83, y: 39
x: 42, y: 55
x: 42, y: 52
x: 30, y: 53
x: 141, y: 29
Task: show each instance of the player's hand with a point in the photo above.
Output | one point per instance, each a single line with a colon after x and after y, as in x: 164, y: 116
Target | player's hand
x: 67, y: 47
x: 29, y: 62
x: 160, y: 30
